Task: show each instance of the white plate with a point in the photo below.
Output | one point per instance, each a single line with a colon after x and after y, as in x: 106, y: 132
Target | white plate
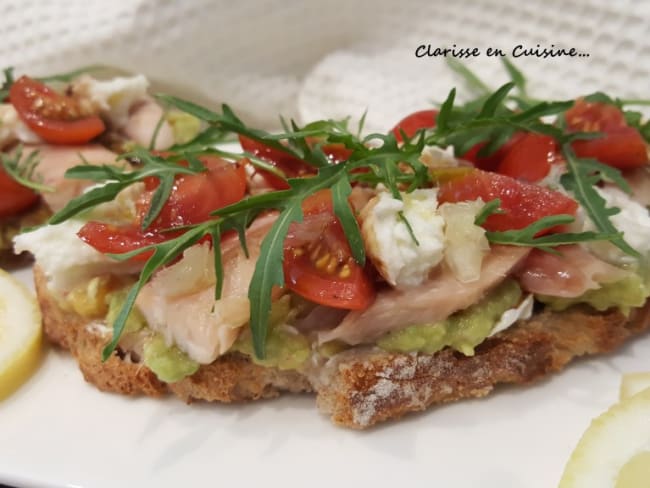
x: 59, y: 431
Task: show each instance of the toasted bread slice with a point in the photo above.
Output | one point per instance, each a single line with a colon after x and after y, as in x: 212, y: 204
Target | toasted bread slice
x: 11, y: 226
x: 361, y: 386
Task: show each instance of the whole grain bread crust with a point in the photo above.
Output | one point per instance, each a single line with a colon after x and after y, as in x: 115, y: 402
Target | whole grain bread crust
x: 362, y: 386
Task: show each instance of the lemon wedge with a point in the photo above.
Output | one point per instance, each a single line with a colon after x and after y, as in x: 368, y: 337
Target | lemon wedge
x: 614, y: 452
x: 633, y: 383
x: 20, y: 334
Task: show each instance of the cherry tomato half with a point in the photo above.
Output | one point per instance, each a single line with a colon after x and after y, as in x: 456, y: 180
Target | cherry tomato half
x: 56, y: 118
x: 318, y: 263
x: 621, y: 146
x: 14, y: 197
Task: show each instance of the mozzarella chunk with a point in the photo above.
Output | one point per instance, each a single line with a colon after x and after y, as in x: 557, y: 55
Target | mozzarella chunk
x: 65, y: 259
x: 400, y: 260
x: 523, y: 311
x: 113, y: 97
x: 13, y: 129
x: 436, y: 157
x: 633, y: 220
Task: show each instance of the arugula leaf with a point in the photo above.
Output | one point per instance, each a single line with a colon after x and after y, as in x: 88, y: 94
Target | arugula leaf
x: 445, y: 111
x: 164, y: 253
x: 495, y: 100
x: 68, y: 76
x: 581, y: 178
x: 205, y: 139
x: 340, y: 192
x: 120, y: 178
x: 516, y: 76
x: 215, y: 234
x: 90, y: 199
x: 473, y: 81
x: 158, y: 199
x: 268, y: 273
x: 61, y: 77
x: 22, y: 169
x: 156, y: 130
x: 490, y: 208
x: 527, y: 236
x: 6, y: 84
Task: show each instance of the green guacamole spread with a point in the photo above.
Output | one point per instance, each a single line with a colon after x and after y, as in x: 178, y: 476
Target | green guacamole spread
x: 134, y: 322
x: 463, y: 331
x: 169, y: 364
x: 624, y: 294
x: 285, y: 348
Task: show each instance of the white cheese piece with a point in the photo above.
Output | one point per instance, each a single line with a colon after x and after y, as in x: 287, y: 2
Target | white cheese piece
x: 402, y: 262
x: 436, y: 157
x: 13, y: 129
x: 114, y: 97
x: 65, y: 259
x: 522, y: 312
x: 633, y: 220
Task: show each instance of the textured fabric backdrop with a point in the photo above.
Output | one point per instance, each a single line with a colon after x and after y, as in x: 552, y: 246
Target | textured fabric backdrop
x: 313, y: 59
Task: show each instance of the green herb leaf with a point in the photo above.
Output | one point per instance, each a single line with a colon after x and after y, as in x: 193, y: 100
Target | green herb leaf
x: 490, y: 208
x: 90, y: 199
x: 21, y: 169
x: 495, y: 100
x: 340, y: 192
x: 472, y: 80
x: 164, y: 253
x: 205, y: 139
x: 158, y: 199
x: 516, y: 76
x: 215, y: 233
x: 527, y: 236
x: 6, y: 84
x: 68, y: 76
x: 581, y: 178
x: 408, y: 226
x: 268, y: 273
x: 445, y: 111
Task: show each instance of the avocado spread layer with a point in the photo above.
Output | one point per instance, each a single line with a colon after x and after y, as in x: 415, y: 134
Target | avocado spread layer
x: 462, y: 331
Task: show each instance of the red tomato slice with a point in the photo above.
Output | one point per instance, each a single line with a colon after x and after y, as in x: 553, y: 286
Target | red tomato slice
x: 14, y: 197
x: 318, y: 264
x: 411, y: 124
x: 194, y: 197
x: 56, y: 118
x: 529, y: 158
x: 594, y: 117
x: 491, y: 162
x: 192, y: 200
x: 621, y: 146
x: 522, y: 203
x: 107, y: 238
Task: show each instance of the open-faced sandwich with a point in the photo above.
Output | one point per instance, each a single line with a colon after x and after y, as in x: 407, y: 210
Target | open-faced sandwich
x: 49, y: 125
x: 479, y: 244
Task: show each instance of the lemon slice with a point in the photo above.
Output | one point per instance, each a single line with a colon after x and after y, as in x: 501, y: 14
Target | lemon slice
x: 614, y: 452
x: 20, y: 334
x: 633, y: 383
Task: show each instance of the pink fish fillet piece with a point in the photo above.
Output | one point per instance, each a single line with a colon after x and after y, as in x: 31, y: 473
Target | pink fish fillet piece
x: 567, y: 275
x: 56, y: 160
x: 429, y: 302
